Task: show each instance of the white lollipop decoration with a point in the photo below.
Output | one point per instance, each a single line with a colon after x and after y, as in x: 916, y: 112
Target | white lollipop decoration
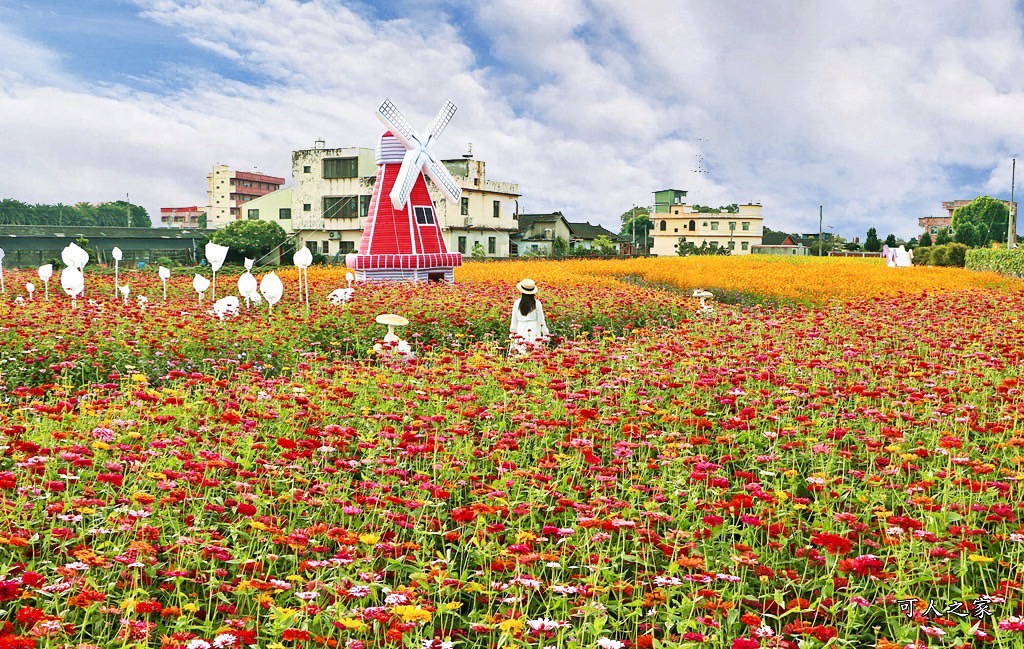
x: 165, y: 274
x: 45, y: 273
x: 215, y: 254
x: 272, y: 289
x: 31, y: 288
x: 200, y: 284
x: 73, y: 283
x: 117, y: 255
x: 303, y: 258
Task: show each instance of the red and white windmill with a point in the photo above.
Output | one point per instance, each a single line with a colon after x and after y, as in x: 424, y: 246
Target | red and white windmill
x: 402, y: 238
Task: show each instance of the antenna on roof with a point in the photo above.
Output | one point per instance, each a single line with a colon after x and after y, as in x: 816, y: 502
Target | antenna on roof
x: 468, y: 155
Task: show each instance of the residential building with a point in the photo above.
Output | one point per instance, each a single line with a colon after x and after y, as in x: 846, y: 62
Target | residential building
x: 182, y: 217
x: 933, y: 225
x: 779, y: 243
x: 34, y: 245
x: 331, y: 191
x: 228, y: 190
x: 537, y: 234
x: 674, y: 222
x: 582, y: 237
x: 487, y: 213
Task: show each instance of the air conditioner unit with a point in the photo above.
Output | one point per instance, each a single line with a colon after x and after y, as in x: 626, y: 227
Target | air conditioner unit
x: 469, y: 221
x: 333, y: 235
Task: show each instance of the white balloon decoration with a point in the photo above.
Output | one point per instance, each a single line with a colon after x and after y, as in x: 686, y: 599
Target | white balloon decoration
x: 303, y: 259
x: 216, y: 254
x: 165, y: 274
x: 73, y: 283
x: 272, y: 289
x: 45, y: 273
x: 200, y: 284
x: 117, y: 255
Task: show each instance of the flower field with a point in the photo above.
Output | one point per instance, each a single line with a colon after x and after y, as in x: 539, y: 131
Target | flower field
x: 835, y: 458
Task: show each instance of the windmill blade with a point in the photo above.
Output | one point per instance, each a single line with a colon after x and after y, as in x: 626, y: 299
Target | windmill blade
x: 396, y: 123
x: 407, y: 175
x: 444, y: 180
x: 443, y: 117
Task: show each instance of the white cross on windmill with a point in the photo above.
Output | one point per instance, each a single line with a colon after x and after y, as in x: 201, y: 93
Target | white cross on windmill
x: 418, y: 156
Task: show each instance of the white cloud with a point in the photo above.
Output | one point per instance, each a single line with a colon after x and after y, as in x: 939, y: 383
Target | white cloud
x: 589, y: 104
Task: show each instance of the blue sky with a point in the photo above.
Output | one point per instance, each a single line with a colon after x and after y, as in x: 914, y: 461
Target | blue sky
x: 877, y: 111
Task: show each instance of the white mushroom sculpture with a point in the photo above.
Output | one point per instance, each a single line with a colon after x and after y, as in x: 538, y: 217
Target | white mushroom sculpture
x: 703, y: 296
x: 165, y: 274
x: 45, y: 273
x: 272, y: 289
x: 200, y: 284
x: 391, y: 339
x: 216, y: 254
x: 117, y: 255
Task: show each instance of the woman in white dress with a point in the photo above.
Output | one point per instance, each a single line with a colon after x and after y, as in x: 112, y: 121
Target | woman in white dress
x: 528, y: 325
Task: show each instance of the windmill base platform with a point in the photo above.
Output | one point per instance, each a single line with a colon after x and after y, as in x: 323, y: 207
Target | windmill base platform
x: 429, y: 267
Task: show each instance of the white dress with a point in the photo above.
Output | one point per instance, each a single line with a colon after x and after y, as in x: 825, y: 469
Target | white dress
x: 530, y: 327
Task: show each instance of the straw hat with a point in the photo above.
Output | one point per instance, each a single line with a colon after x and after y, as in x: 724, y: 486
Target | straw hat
x: 527, y: 286
x: 392, y: 319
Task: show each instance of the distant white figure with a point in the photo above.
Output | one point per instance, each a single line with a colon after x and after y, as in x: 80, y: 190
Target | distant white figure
x: 73, y: 283
x: 889, y: 255
x: 200, y: 284
x: 341, y: 295
x: 45, y: 273
x: 272, y: 289
x: 215, y: 254
x: 392, y: 343
x: 303, y: 259
x: 226, y: 307
x: 117, y: 255
x: 528, y: 328
x: 704, y: 296
x: 903, y: 258
x: 124, y: 294
x: 30, y: 288
x: 165, y: 274
x: 143, y: 302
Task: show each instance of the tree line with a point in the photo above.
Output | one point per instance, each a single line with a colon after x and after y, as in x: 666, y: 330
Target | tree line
x: 113, y: 214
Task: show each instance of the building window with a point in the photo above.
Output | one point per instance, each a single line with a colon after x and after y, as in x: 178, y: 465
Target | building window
x: 492, y: 244
x: 254, y: 215
x: 346, y: 246
x: 693, y: 225
x: 306, y: 207
x: 341, y: 167
x: 676, y: 230
x: 533, y: 247
x: 462, y: 245
x: 327, y: 248
x: 364, y: 205
x: 497, y: 209
x: 284, y: 213
x: 732, y: 245
x: 935, y: 229
x: 663, y: 226
x: 465, y: 206
x: 745, y: 245
x: 732, y: 225
x: 424, y: 215
x: 314, y: 247
x: 746, y: 226
x: 341, y: 207
x: 714, y: 244
x: 714, y: 225
x: 307, y: 169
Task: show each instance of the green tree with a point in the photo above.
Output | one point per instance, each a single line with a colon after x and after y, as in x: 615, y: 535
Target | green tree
x: 202, y: 221
x: 636, y: 222
x: 560, y: 247
x: 987, y: 216
x: 478, y: 251
x: 943, y: 237
x: 926, y: 240
x: 251, y: 239
x: 872, y: 242
x: 603, y: 245
x: 891, y: 241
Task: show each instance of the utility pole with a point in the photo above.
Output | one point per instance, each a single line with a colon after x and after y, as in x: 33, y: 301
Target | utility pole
x: 1011, y: 225
x: 819, y: 231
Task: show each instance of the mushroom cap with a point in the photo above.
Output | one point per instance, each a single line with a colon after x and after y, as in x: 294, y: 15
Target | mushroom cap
x: 392, y: 319
x: 704, y: 294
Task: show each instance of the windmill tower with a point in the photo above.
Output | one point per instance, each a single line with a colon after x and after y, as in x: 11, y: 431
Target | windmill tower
x: 402, y: 238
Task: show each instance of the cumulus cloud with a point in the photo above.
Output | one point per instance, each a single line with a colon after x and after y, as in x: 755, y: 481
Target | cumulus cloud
x: 876, y: 111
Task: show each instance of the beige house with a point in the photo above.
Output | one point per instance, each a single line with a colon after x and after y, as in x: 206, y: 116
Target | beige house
x: 736, y: 231
x: 486, y: 215
x: 538, y: 232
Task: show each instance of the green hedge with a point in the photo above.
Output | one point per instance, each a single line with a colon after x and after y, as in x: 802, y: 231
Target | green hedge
x: 999, y: 260
x: 951, y: 254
